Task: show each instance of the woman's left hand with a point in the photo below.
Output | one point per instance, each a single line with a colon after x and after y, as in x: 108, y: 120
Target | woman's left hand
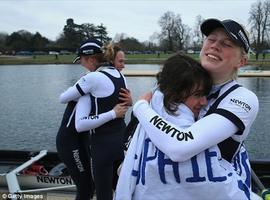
x: 120, y: 110
x: 125, y: 96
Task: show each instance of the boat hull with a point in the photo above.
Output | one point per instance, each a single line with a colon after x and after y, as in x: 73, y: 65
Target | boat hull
x: 40, y: 181
x: 27, y: 179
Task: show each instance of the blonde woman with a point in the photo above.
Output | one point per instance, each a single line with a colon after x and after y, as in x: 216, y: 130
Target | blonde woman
x: 94, y: 109
x: 225, y: 122
x: 116, y: 56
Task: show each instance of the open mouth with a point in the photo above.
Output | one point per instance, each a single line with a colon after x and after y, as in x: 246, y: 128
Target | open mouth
x: 213, y: 57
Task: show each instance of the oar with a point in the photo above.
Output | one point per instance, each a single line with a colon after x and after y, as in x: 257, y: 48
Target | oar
x: 265, y: 192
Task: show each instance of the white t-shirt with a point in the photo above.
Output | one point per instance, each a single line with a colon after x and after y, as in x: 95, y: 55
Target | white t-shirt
x: 236, y: 111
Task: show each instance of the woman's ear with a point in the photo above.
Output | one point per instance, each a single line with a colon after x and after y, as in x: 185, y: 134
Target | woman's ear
x: 242, y: 62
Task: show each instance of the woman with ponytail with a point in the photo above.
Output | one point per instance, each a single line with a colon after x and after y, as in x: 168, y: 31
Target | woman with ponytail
x: 98, y: 112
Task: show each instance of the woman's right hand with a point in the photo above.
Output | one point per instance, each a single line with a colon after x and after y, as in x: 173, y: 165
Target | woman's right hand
x: 146, y: 96
x: 120, y: 110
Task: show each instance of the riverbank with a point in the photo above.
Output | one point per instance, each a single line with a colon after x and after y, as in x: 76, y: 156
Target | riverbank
x: 244, y: 73
x: 261, y: 64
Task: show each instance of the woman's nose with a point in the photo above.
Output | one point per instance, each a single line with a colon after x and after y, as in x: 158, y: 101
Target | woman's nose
x: 215, y: 45
x: 203, y: 101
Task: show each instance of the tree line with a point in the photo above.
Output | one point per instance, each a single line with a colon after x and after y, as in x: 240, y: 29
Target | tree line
x: 69, y: 39
x: 174, y: 35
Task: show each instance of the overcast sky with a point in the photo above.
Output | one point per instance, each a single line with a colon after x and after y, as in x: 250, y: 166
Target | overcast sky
x: 136, y: 18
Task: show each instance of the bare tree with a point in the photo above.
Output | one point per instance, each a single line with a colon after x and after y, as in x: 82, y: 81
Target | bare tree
x: 174, y: 34
x: 266, y: 36
x: 119, y: 36
x: 167, y: 25
x: 260, y: 23
x: 181, y: 33
x: 197, y: 34
x: 154, y: 38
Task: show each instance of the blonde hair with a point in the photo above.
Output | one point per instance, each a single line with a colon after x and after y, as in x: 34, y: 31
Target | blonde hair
x: 110, y: 51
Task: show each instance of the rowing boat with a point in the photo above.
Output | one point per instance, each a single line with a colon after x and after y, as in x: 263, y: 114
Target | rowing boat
x: 26, y: 172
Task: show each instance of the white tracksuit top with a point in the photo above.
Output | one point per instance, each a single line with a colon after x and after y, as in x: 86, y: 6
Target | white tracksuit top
x: 181, y: 160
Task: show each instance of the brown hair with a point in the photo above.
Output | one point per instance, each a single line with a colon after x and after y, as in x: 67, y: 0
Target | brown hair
x: 178, y: 79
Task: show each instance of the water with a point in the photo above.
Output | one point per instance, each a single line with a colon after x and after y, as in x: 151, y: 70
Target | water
x: 30, y: 113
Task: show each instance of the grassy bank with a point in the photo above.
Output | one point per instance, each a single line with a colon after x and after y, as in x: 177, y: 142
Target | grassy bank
x: 130, y: 59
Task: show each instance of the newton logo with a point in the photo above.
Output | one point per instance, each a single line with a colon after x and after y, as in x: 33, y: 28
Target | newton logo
x: 242, y: 104
x: 172, y: 131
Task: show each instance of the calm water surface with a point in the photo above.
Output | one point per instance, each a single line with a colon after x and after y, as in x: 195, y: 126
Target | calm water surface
x: 30, y: 113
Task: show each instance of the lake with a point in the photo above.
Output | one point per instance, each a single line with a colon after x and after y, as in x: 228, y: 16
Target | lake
x: 31, y: 113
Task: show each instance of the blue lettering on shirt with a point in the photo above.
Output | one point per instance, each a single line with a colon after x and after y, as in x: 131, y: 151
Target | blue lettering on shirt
x: 195, y: 169
x: 164, y: 162
x: 208, y: 155
x: 145, y: 158
x: 137, y: 172
x: 237, y: 164
x: 244, y: 159
x: 243, y: 163
x: 244, y: 188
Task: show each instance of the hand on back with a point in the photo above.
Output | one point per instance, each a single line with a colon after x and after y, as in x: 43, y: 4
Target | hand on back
x: 120, y: 110
x: 125, y: 96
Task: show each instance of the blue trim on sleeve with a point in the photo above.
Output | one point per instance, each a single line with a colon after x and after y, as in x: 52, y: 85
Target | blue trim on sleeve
x: 80, y: 89
x: 233, y: 118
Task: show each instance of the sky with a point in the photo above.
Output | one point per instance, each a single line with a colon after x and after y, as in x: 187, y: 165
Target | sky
x: 135, y: 18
